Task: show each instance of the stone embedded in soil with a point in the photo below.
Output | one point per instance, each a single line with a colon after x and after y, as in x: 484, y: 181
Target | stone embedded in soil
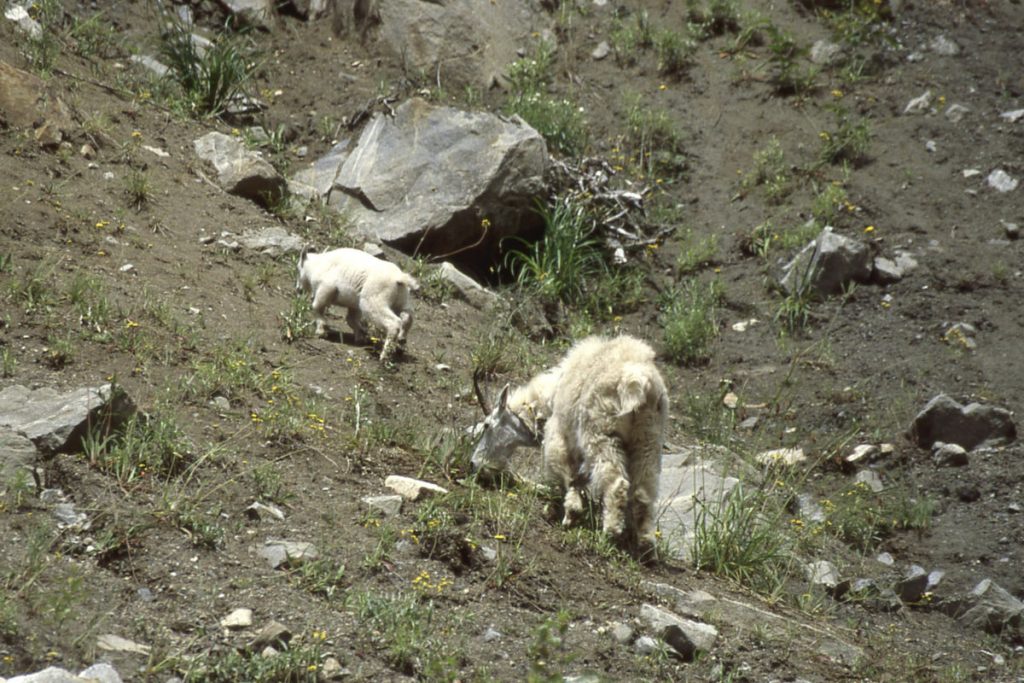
x: 889, y: 270
x: 913, y: 585
x: 822, y: 573
x: 241, y: 171
x: 944, y: 419
x: 1001, y: 181
x: 864, y: 451
x: 288, y: 553
x: 55, y: 421
x: 621, y: 633
x: 272, y: 241
x: 685, y: 636
x: 17, y: 455
x: 389, y: 506
x: 273, y: 635
x: 988, y: 607
x: 949, y: 455
x: 941, y: 45
x: 693, y: 602
x: 919, y: 104
x: 260, y: 510
x: 601, y: 51
x: 468, y: 288
x: 413, y: 489
x: 237, y: 619
x: 955, y: 113
x: 115, y: 643
x: 97, y: 673
x: 871, y: 479
x: 781, y: 456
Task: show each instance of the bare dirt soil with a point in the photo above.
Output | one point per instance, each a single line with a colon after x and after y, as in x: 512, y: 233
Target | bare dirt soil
x: 416, y: 597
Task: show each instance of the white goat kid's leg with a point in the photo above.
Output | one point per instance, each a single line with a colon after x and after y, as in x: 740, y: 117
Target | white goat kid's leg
x: 385, y: 318
x: 355, y: 321
x: 406, y: 322
x: 322, y: 299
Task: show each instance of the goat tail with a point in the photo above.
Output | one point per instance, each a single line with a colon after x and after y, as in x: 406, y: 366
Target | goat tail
x: 639, y: 386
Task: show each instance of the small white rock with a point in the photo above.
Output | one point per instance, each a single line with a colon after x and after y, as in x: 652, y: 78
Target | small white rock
x: 239, y: 618
x: 1002, y: 181
x: 919, y: 104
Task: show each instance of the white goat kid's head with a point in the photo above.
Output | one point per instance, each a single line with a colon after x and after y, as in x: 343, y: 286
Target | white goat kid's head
x: 503, y: 432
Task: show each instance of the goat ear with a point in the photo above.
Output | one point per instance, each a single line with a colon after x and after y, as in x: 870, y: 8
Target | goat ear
x: 503, y: 397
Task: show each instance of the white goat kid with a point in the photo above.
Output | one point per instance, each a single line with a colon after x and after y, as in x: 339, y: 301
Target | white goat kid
x: 603, y: 411
x: 363, y: 284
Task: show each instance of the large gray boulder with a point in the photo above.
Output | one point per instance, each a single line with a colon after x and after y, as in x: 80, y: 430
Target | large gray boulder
x: 970, y: 426
x: 17, y: 454
x: 241, y: 171
x: 438, y: 179
x: 56, y: 422
x: 457, y: 42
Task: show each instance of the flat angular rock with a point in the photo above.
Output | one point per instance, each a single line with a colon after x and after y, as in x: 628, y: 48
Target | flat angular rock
x: 685, y: 636
x: 913, y: 585
x: 316, y: 181
x: 468, y: 288
x: 413, y: 489
x: 822, y: 573
x: 272, y: 241
x: 56, y: 422
x: 97, y: 673
x: 274, y: 635
x: 889, y: 270
x: 241, y: 171
x: 970, y: 426
x: 782, y: 456
x: 237, y: 619
x: 115, y: 643
x: 17, y: 455
x: 389, y: 506
x: 288, y: 553
x: 1001, y: 181
x: 949, y: 455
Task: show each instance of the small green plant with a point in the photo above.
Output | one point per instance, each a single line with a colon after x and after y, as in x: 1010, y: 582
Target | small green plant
x: 829, y: 201
x: 87, y: 295
x: 719, y: 17
x: 742, y: 538
x: 689, y: 319
x: 533, y: 74
x: 298, y: 663
x: 297, y: 321
x: 770, y: 172
x: 653, y: 140
x: 409, y: 630
x: 674, y: 51
x: 145, y: 445
x: 434, y: 287
x: 43, y: 46
x: 492, y: 354
x: 547, y: 650
x: 794, y: 311
x: 59, y: 352
x: 629, y: 38
x: 8, y: 362
x: 266, y: 480
x: 201, y: 526
x: 564, y: 261
x: 34, y: 290
x: 137, y: 189
x: 95, y: 36
x: 787, y: 76
x: 209, y: 80
x: 560, y: 121
x: 848, y: 142
x: 695, y: 253
x: 324, y: 577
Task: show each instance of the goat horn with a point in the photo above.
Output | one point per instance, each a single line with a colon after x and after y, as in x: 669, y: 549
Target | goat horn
x: 479, y: 393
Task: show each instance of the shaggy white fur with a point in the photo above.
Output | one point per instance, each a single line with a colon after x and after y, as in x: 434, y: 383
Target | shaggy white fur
x: 363, y: 284
x: 603, y: 410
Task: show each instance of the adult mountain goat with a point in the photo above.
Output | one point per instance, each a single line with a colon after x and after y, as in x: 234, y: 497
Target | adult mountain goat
x: 366, y: 286
x: 600, y: 417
